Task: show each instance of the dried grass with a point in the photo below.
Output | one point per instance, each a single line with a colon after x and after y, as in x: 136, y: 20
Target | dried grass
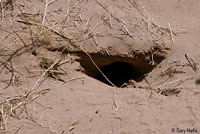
x: 9, y: 106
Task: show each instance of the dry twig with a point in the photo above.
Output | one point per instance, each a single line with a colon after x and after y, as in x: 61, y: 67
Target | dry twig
x: 123, y: 23
x: 192, y: 63
x: 9, y: 106
x: 171, y: 33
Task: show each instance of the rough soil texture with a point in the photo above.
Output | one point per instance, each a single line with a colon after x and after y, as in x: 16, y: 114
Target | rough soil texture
x: 50, y: 55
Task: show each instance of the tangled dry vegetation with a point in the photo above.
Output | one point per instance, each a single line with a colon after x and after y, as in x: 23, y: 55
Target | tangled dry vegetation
x: 26, y: 26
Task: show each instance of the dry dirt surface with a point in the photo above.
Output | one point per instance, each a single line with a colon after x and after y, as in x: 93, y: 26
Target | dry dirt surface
x: 99, y: 67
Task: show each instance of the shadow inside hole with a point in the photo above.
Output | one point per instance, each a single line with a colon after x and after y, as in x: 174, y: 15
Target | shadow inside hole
x: 118, y: 73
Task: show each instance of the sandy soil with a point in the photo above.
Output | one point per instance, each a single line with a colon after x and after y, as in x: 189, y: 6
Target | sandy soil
x: 84, y: 105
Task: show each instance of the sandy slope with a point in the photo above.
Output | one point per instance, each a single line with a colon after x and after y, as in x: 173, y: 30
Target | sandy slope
x: 87, y: 106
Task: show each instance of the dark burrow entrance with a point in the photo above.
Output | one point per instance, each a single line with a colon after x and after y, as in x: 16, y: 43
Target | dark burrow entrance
x: 118, y: 69
x: 118, y: 73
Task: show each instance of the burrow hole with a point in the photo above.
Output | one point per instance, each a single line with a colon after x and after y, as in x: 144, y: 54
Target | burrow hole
x: 118, y: 73
x: 117, y: 69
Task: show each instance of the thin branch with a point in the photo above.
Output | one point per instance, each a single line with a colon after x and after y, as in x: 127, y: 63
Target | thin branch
x: 45, y: 72
x: 11, y: 78
x: 192, y: 63
x: 128, y: 32
x: 75, y: 78
x: 99, y: 69
x: 2, y: 11
x: 47, y: 3
x: 171, y: 33
x: 86, y: 24
x: 45, y: 13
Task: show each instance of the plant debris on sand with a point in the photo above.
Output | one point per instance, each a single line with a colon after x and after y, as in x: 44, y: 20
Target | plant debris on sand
x: 78, y: 66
